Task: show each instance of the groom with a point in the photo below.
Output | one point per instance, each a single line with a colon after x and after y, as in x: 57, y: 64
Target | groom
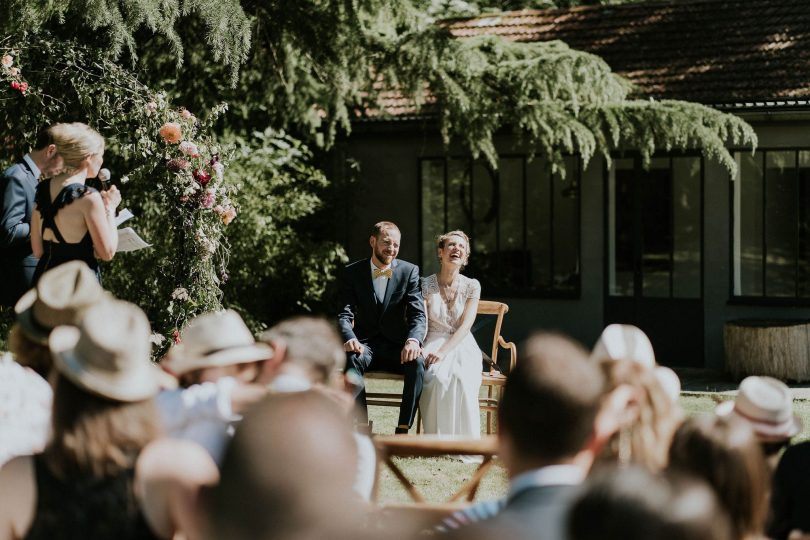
x: 382, y: 319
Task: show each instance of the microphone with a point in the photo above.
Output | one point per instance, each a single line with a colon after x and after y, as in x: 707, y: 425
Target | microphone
x: 104, y: 177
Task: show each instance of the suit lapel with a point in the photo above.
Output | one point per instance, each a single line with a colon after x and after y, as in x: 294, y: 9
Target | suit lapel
x: 392, y: 283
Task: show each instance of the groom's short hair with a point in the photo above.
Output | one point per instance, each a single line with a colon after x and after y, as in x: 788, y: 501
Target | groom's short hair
x: 44, y: 138
x: 381, y: 226
x: 551, y: 398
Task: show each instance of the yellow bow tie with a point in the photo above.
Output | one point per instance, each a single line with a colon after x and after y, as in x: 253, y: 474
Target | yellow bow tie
x: 387, y: 273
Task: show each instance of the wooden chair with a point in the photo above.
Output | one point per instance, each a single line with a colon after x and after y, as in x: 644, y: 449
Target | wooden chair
x: 492, y: 382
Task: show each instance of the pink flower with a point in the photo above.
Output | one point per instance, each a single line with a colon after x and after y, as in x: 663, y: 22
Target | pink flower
x: 176, y: 336
x: 178, y: 164
x: 185, y: 114
x: 184, y: 199
x: 189, y: 149
x: 171, y: 132
x: 15, y: 85
x: 14, y: 71
x: 202, y: 177
x: 7, y: 60
x: 151, y: 108
x: 219, y: 169
x: 228, y: 215
x: 208, y: 199
x: 23, y: 87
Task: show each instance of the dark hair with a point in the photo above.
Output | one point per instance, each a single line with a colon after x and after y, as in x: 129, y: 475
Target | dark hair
x: 44, y: 138
x: 551, y: 398
x: 96, y: 436
x: 28, y: 352
x: 312, y: 343
x: 724, y: 451
x: 635, y: 504
x: 379, y: 227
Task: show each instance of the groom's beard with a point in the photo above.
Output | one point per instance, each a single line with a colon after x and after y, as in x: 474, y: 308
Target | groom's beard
x: 383, y: 258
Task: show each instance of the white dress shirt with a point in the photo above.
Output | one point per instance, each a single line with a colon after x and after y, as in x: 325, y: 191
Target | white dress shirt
x: 380, y: 283
x: 25, y: 410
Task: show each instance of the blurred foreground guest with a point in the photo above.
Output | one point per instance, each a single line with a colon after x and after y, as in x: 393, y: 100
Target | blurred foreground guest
x: 644, y: 394
x: 307, y: 353
x: 215, y: 363
x: 105, y: 474
x: 18, y: 184
x: 547, y: 438
x: 790, y: 495
x: 60, y: 298
x: 724, y: 452
x: 766, y: 404
x: 633, y: 504
x: 288, y: 473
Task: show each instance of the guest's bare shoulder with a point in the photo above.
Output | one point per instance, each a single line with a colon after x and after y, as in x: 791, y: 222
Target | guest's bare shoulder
x: 173, y: 459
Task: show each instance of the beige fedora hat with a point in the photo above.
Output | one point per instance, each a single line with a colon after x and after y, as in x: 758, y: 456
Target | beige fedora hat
x: 624, y: 342
x: 60, y: 298
x: 215, y: 339
x: 109, y: 353
x: 767, y: 405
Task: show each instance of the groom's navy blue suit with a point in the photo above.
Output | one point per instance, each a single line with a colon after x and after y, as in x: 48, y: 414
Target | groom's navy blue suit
x: 17, y: 263
x: 383, y: 326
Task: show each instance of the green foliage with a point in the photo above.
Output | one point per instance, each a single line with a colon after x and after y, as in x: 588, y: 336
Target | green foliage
x: 181, y: 210
x: 276, y: 268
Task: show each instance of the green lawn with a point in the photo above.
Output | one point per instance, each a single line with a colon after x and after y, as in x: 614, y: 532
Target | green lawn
x: 438, y: 478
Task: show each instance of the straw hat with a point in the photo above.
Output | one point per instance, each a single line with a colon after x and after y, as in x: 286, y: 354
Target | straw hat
x: 108, y: 354
x: 624, y: 342
x: 60, y: 297
x: 215, y: 339
x: 767, y: 405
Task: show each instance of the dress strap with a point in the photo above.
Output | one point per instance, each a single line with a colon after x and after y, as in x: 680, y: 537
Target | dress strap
x: 48, y: 208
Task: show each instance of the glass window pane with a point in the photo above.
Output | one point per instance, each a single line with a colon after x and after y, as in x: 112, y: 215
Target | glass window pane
x: 513, y: 257
x: 780, y: 223
x: 656, y: 222
x: 484, y: 257
x: 538, y: 224
x: 620, y: 237
x: 749, y: 224
x: 686, y: 213
x: 432, y: 211
x: 566, y: 228
x: 804, y: 223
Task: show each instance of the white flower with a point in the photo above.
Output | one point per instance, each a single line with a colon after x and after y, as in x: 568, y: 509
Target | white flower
x: 219, y: 169
x: 124, y: 179
x: 7, y: 61
x: 189, y: 149
x: 181, y: 294
x: 151, y: 108
x: 157, y: 339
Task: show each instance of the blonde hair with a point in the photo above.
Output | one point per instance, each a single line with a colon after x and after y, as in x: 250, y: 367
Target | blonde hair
x: 75, y: 142
x: 441, y: 240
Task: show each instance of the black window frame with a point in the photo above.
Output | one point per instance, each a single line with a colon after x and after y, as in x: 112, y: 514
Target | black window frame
x: 764, y: 300
x: 572, y: 293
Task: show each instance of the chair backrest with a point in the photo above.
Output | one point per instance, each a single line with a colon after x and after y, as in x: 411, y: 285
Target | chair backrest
x: 491, y: 307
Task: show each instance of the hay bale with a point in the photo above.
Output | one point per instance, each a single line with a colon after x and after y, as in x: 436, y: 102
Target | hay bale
x: 779, y: 349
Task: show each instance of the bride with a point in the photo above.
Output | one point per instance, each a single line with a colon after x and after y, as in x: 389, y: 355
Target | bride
x: 449, y: 402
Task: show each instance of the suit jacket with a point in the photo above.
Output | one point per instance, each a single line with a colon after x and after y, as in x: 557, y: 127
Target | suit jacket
x: 18, y: 185
x: 535, y: 513
x: 401, y: 314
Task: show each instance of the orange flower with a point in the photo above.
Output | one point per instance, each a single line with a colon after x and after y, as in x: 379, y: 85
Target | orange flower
x: 171, y: 132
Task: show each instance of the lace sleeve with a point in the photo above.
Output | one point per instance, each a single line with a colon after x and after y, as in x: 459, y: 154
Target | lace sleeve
x: 474, y: 289
x: 429, y: 285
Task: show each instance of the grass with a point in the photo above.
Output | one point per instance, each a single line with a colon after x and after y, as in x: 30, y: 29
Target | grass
x: 438, y: 478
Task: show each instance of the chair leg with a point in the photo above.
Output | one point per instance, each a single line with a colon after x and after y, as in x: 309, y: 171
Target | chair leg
x: 418, y: 421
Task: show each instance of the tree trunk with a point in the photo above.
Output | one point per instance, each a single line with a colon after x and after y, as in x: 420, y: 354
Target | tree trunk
x: 779, y: 349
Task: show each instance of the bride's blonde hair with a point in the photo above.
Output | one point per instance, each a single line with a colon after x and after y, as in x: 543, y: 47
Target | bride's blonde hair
x: 74, y: 142
x: 441, y: 240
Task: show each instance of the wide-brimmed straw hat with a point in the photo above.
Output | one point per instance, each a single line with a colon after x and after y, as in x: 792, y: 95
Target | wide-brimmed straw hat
x: 109, y: 353
x: 212, y: 340
x: 60, y: 298
x: 624, y: 342
x: 767, y: 405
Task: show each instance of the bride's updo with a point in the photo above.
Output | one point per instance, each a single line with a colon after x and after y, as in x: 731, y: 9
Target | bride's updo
x: 74, y: 142
x: 441, y: 240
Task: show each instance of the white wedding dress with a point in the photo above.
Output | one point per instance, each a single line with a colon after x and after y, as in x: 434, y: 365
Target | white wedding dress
x: 449, y: 402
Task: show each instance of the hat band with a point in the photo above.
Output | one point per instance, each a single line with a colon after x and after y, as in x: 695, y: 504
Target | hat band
x: 38, y: 326
x: 761, y: 420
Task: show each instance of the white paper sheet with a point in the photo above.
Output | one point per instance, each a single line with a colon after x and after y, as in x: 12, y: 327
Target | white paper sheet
x: 123, y: 215
x: 128, y: 240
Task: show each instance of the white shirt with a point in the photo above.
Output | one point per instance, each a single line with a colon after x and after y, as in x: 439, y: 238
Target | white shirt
x: 201, y: 413
x: 25, y: 410
x: 380, y: 283
x: 553, y: 475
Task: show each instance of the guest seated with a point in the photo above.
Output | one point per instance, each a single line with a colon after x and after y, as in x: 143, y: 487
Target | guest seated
x: 105, y: 473
x: 288, y: 474
x: 724, y: 452
x: 766, y: 404
x: 633, y: 504
x: 547, y: 436
x: 790, y: 495
x: 60, y: 298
